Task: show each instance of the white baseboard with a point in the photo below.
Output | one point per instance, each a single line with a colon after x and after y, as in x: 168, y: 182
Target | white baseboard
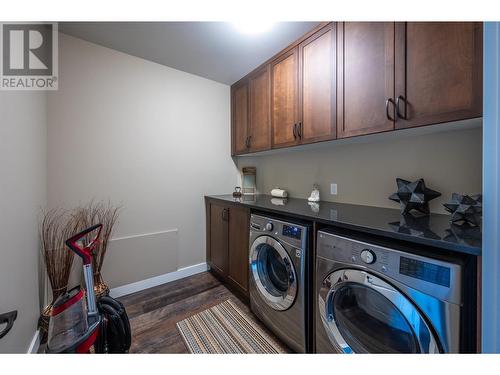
x: 157, y: 280
x: 35, y: 343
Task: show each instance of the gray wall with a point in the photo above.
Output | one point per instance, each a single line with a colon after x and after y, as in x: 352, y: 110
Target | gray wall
x: 23, y: 182
x: 491, y: 223
x: 365, y: 168
x: 150, y: 138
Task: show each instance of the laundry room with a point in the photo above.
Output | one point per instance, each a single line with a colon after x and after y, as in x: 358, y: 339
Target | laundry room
x: 193, y: 182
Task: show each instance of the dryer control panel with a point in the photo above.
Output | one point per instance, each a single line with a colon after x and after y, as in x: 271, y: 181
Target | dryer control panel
x: 435, y: 277
x: 427, y: 271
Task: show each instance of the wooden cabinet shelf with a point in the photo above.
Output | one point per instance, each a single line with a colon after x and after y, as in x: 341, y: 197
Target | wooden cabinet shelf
x: 348, y: 79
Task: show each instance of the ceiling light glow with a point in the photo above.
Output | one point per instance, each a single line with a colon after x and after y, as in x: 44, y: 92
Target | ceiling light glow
x: 253, y: 27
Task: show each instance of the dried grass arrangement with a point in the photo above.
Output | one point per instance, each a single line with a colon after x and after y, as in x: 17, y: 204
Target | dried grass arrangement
x: 107, y: 215
x: 56, y: 226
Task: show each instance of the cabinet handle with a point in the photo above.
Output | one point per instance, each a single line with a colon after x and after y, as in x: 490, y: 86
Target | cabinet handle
x: 400, y: 97
x: 299, y: 128
x: 387, y: 109
x: 294, y: 131
x: 225, y: 214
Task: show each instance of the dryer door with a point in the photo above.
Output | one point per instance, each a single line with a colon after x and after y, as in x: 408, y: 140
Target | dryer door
x: 273, y: 273
x: 362, y: 313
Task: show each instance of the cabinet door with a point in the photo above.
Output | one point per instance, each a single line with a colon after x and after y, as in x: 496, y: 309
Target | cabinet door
x: 284, y: 96
x: 317, y: 82
x: 260, y: 124
x: 438, y: 72
x: 239, y: 117
x: 365, y: 55
x: 238, y: 247
x: 218, y: 238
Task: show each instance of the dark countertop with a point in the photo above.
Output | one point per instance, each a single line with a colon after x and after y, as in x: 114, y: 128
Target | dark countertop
x: 434, y: 230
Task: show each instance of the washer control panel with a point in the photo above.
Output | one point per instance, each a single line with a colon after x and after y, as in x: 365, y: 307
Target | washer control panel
x: 291, y: 233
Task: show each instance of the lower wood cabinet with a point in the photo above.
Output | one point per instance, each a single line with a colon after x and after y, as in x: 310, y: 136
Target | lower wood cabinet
x: 227, y: 243
x: 238, y: 247
x: 218, y: 255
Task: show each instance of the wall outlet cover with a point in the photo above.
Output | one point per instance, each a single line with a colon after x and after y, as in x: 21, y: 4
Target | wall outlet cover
x: 333, y: 189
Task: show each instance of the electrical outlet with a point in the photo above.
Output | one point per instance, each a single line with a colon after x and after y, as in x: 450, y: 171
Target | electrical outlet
x: 333, y: 189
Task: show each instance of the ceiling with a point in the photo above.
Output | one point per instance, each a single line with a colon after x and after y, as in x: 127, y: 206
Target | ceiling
x: 214, y: 50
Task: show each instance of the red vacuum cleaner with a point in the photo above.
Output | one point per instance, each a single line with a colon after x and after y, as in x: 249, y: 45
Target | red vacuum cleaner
x: 74, y: 325
x: 95, y: 326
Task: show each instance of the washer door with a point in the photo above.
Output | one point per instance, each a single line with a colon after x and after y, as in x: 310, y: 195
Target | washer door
x: 273, y: 273
x: 362, y: 313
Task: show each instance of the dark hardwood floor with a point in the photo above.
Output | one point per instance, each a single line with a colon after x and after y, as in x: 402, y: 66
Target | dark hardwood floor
x: 154, y: 312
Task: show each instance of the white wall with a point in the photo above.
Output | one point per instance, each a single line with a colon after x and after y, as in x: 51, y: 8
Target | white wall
x: 148, y: 137
x: 365, y: 168
x: 22, y: 194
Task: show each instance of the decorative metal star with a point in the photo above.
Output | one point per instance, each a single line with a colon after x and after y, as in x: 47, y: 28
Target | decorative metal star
x: 413, y: 196
x: 465, y: 208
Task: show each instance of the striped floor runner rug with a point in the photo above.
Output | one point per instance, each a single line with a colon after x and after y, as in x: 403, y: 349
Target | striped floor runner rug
x: 223, y: 329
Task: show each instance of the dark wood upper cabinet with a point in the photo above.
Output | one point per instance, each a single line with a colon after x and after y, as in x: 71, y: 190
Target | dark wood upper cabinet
x: 284, y: 98
x: 317, y: 86
x: 218, y: 256
x: 239, y: 121
x: 238, y: 247
x: 438, y: 72
x: 259, y: 130
x: 365, y: 55
x: 355, y: 78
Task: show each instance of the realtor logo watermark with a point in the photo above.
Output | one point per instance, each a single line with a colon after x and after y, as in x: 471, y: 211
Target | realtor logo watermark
x: 29, y: 59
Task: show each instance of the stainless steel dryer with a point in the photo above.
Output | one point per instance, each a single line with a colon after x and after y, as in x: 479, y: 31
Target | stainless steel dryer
x: 278, y: 252
x: 373, y: 299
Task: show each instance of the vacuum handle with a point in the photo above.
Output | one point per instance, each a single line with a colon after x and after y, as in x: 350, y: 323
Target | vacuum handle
x: 84, y: 252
